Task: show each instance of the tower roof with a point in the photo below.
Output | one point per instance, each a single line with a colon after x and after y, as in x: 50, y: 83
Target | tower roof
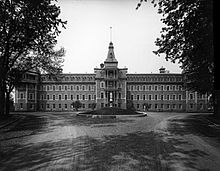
x: 111, y: 55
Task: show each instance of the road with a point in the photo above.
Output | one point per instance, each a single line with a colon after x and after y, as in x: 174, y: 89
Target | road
x: 63, y: 141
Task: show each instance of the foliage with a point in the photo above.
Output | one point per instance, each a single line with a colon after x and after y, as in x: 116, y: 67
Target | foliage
x: 28, y: 31
x: 93, y: 106
x: 188, y: 38
x: 77, y: 104
x: 130, y: 105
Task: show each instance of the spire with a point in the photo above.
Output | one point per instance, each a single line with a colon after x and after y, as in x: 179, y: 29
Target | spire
x: 111, y: 54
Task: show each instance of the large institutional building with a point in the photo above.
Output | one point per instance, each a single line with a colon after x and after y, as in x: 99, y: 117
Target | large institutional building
x: 108, y: 86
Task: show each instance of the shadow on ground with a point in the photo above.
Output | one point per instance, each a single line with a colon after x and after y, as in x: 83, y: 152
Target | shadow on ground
x: 134, y: 151
x: 195, y: 124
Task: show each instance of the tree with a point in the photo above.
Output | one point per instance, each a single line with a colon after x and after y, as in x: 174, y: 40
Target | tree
x: 77, y: 104
x: 28, y: 31
x: 187, y: 37
x: 93, y: 106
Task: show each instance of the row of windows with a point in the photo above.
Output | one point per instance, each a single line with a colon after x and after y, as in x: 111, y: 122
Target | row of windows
x: 60, y: 106
x: 68, y: 87
x: 160, y: 106
x: 155, y: 97
x: 155, y: 87
x: 70, y: 78
x: 154, y: 79
x: 65, y: 97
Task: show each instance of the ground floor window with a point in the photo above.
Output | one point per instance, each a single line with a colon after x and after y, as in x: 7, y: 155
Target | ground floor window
x: 65, y: 106
x: 54, y: 106
x: 59, y: 105
x: 48, y: 105
x: 102, y: 105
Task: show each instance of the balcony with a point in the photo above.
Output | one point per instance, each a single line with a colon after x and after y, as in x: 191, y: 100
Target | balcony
x: 112, y: 88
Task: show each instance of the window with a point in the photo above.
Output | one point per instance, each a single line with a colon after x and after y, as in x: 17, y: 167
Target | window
x: 22, y: 96
x: 102, y: 105
x: 71, y: 97
x: 21, y: 105
x: 161, y: 106
x: 149, y: 96
x: 77, y: 97
x: 180, y: 97
x: 54, y: 88
x: 65, y: 106
x: 31, y: 96
x: 191, y: 106
x: 65, y: 97
x: 144, y: 97
x: 59, y: 105
x: 77, y: 87
x: 174, y: 88
x: 132, y: 97
x: 168, y: 97
x: 168, y: 106
x: 48, y: 105
x: 60, y: 97
x: 138, y: 88
x: 119, y: 95
x: 174, y: 106
x: 65, y: 87
x: 131, y: 88
x: 48, y: 88
x: 161, y: 87
x: 138, y: 97
x: 89, y: 97
x: 143, y: 88
x: 168, y: 88
x: 156, y: 106
x: 54, y: 106
x: 138, y: 105
x: 149, y: 88
x: 191, y: 96
x: 201, y: 106
x: 155, y: 88
x: 48, y: 97
x: 71, y: 87
x: 180, y: 106
x: 155, y: 96
x: 174, y: 96
x: 102, y: 95
x: 60, y: 88
x: 54, y: 97
x: 161, y: 97
x: 102, y: 85
x: 83, y: 97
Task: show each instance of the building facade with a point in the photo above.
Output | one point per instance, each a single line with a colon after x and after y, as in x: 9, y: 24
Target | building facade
x: 108, y: 86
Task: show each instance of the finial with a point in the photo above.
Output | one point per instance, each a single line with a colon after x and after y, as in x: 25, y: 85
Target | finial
x: 110, y: 34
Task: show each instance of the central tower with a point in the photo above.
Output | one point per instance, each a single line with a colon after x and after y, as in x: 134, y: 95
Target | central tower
x: 110, y: 82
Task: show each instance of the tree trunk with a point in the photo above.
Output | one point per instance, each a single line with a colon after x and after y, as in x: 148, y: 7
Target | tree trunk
x: 217, y: 103
x: 7, y: 104
x: 2, y: 102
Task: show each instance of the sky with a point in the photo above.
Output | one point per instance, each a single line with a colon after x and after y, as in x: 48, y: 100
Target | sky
x: 87, y: 35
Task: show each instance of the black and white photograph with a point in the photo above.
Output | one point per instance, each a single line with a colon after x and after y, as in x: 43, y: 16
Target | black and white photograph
x: 108, y: 85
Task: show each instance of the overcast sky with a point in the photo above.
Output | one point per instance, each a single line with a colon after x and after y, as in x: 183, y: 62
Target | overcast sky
x: 87, y: 35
